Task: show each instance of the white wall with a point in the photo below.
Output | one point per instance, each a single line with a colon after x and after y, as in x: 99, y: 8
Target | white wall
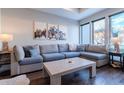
x: 19, y: 22
x: 0, y: 20
x: 106, y: 13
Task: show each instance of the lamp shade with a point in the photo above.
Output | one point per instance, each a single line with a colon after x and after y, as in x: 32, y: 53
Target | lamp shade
x: 121, y: 37
x: 115, y: 40
x: 6, y: 37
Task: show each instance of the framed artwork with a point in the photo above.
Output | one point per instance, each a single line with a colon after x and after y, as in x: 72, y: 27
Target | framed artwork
x: 62, y: 32
x: 52, y: 31
x: 40, y: 30
x: 49, y: 31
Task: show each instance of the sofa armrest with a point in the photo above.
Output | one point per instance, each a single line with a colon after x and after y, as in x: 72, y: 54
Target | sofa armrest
x: 14, y: 65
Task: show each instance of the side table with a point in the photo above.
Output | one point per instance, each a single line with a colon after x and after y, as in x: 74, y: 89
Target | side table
x: 5, y: 59
x: 117, y: 54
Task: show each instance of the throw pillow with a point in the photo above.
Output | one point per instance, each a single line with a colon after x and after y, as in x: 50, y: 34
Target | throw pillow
x: 28, y: 48
x: 72, y: 47
x: 34, y: 52
x: 81, y: 47
x: 19, y: 52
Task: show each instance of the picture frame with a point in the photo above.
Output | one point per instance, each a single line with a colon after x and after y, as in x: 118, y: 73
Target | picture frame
x: 48, y: 31
x: 40, y: 30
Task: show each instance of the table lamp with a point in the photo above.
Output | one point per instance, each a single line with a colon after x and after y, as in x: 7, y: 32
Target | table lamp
x: 116, y: 42
x: 5, y: 38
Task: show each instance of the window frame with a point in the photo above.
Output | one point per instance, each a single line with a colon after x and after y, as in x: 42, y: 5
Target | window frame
x: 93, y: 28
x: 110, y: 30
x: 81, y: 36
x: 110, y: 25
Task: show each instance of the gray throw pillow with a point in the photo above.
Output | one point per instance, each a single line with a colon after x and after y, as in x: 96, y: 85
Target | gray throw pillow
x: 28, y: 48
x: 81, y: 47
x: 34, y: 52
x: 19, y: 52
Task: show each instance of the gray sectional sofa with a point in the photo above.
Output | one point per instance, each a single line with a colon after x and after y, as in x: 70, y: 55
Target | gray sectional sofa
x: 31, y: 58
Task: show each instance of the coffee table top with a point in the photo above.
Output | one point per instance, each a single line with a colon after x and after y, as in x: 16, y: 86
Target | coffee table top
x: 62, y: 66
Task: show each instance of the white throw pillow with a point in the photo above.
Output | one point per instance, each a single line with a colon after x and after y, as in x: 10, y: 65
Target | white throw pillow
x: 18, y: 80
x: 19, y: 52
x: 72, y: 47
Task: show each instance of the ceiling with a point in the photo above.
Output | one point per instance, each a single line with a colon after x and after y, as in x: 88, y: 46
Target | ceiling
x: 71, y: 13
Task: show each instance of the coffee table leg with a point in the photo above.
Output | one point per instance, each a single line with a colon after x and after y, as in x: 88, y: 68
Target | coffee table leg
x: 93, y: 71
x: 44, y: 75
x: 55, y: 80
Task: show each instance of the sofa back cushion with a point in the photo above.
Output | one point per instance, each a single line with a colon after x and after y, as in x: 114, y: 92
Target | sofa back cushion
x: 63, y: 47
x: 72, y: 47
x: 18, y: 52
x: 30, y: 47
x: 44, y: 49
x: 81, y: 47
x: 97, y: 49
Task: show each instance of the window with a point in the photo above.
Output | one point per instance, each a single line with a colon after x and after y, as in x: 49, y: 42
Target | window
x: 85, y: 34
x: 99, y: 32
x: 117, y: 28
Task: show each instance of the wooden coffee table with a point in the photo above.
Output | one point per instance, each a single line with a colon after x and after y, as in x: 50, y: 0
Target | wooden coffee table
x: 56, y: 69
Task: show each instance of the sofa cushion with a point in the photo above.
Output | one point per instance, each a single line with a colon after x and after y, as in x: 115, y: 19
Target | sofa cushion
x: 97, y: 49
x: 72, y: 47
x: 96, y: 56
x: 71, y: 54
x: 19, y: 52
x: 63, y: 47
x: 28, y: 48
x: 31, y: 60
x: 44, y: 49
x: 53, y: 56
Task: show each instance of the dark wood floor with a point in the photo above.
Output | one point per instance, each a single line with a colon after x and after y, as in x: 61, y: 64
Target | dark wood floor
x: 105, y: 76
